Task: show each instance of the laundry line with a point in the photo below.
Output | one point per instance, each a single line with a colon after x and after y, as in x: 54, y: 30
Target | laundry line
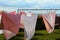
x: 38, y: 9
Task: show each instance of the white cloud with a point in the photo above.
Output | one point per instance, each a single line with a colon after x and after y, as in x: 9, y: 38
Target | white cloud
x: 29, y: 1
x: 36, y: 7
x: 8, y: 9
x: 10, y: 2
x: 40, y: 1
x: 57, y: 2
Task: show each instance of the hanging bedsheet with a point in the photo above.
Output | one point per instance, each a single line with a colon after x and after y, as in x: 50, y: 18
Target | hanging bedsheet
x: 29, y: 26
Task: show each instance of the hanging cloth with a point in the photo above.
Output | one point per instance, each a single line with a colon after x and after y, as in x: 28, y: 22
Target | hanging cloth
x: 11, y: 24
x: 13, y: 12
x: 49, y: 20
x: 1, y: 26
x: 29, y: 26
x: 21, y: 22
x: 0, y: 20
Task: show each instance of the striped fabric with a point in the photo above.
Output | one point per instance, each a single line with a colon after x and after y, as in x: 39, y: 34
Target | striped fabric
x: 49, y: 20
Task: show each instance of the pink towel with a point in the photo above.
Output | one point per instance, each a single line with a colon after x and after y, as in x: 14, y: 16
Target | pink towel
x: 11, y: 24
x: 49, y: 20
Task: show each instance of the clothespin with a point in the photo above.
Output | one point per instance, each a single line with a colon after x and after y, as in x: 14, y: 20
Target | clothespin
x: 29, y: 14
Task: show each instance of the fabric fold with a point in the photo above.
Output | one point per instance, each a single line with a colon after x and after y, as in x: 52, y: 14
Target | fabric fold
x: 1, y: 26
x: 49, y: 20
x: 21, y: 22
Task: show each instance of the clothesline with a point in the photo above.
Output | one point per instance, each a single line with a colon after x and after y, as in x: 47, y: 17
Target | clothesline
x: 38, y: 9
x: 47, y: 10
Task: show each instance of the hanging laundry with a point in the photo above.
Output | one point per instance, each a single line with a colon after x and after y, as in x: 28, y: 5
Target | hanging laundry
x: 1, y: 28
x: 1, y: 31
x: 49, y: 20
x: 29, y: 26
x: 13, y: 12
x: 22, y: 13
x: 11, y: 24
x: 21, y: 22
x: 0, y: 16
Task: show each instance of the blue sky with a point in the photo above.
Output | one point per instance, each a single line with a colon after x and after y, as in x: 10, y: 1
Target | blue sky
x: 31, y: 3
x: 41, y: 4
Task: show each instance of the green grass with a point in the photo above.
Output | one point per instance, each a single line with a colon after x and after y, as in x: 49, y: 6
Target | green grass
x: 39, y: 35
x: 43, y: 35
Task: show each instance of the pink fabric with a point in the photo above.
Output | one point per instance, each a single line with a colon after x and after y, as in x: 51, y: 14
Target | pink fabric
x: 11, y: 24
x: 13, y: 12
x: 0, y: 18
x: 49, y: 20
x: 47, y: 25
x: 21, y: 12
x: 21, y: 22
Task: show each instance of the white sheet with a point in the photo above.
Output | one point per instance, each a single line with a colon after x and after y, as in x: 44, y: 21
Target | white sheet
x: 29, y: 26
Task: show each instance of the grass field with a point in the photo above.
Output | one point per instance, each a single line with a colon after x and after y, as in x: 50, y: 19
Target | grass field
x: 39, y: 35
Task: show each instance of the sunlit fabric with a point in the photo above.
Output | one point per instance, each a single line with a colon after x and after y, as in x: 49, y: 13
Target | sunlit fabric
x: 29, y: 26
x: 21, y: 22
x: 11, y: 24
x: 1, y: 28
x: 13, y: 12
x: 49, y: 20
